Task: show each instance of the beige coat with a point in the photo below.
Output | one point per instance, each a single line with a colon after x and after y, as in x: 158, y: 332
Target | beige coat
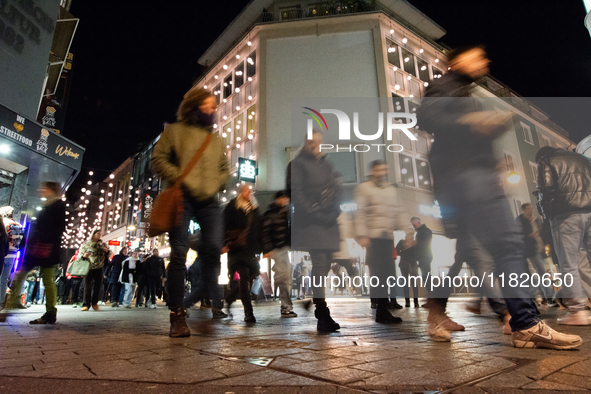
x: 346, y: 231
x: 177, y: 146
x: 378, y: 211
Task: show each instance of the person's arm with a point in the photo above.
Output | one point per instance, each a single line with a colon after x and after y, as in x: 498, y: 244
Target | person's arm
x: 162, y: 158
x: 360, y: 217
x: 267, y: 232
x: 546, y: 186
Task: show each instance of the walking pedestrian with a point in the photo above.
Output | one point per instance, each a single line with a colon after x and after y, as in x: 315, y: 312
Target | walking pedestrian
x: 376, y: 218
x: 128, y: 277
x: 316, y: 197
x: 422, y: 249
x: 534, y: 246
x: 15, y: 235
x: 473, y: 203
x: 96, y: 252
x: 564, y: 180
x: 178, y: 144
x: 153, y: 268
x: 242, y: 242
x: 76, y: 271
x: 408, y: 268
x: 276, y: 240
x: 113, y: 272
x: 44, y: 248
x: 142, y: 282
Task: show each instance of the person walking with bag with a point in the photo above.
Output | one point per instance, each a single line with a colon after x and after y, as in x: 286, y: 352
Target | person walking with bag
x: 44, y: 249
x: 188, y: 154
x: 96, y: 252
x: 242, y: 242
x: 128, y: 277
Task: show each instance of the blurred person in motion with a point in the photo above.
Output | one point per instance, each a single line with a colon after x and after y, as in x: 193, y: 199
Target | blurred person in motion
x: 113, y: 272
x: 343, y: 257
x: 534, y: 247
x: 96, y: 252
x: 15, y: 235
x: 276, y: 242
x: 316, y: 197
x: 472, y: 200
x: 242, y: 242
x: 141, y: 281
x: 76, y: 271
x: 376, y: 218
x: 31, y: 279
x: 178, y: 144
x: 564, y: 185
x: 408, y: 268
x: 298, y: 273
x: 128, y: 277
x: 44, y: 249
x: 153, y: 268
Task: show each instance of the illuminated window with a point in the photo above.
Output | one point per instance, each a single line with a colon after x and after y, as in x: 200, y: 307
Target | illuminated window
x: 423, y: 70
x: 393, y: 53
x: 239, y: 76
x: 251, y: 65
x: 407, y: 174
x: 408, y: 59
x: 423, y: 174
x: 228, y: 86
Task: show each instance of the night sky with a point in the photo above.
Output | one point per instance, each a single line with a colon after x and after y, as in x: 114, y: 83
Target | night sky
x: 134, y: 60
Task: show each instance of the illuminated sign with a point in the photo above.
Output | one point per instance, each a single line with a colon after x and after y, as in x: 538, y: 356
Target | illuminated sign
x: 431, y: 210
x: 348, y: 207
x: 247, y: 170
x: 114, y: 243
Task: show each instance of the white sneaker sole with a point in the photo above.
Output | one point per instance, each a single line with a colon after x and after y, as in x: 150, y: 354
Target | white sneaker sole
x: 545, y: 345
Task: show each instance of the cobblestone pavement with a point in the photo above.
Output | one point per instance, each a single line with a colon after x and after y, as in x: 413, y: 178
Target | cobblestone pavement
x: 121, y: 350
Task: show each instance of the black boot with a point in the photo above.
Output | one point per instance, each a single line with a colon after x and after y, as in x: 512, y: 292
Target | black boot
x: 325, y: 322
x: 383, y: 315
x: 407, y: 302
x: 47, y: 318
x: 393, y: 304
x: 178, y: 325
x: 249, y: 317
x: 417, y: 303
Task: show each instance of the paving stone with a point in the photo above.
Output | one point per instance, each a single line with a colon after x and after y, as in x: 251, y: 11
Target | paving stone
x: 508, y: 380
x: 539, y: 369
x: 581, y: 368
x: 544, y: 385
x: 231, y: 368
x: 310, y: 356
x: 322, y: 365
x: 571, y: 380
x: 262, y: 378
x: 343, y: 375
x: 399, y: 378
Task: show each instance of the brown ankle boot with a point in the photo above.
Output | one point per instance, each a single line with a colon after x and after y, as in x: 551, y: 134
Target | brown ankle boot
x: 178, y: 325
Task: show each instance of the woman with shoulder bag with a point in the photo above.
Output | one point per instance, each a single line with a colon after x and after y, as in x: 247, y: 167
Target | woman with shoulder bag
x: 187, y: 142
x: 96, y: 252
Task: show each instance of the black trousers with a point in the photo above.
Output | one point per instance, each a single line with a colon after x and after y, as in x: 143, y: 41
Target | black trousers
x: 142, y: 287
x: 75, y: 284
x: 247, y: 266
x: 93, y: 282
x: 151, y: 289
x: 115, y: 292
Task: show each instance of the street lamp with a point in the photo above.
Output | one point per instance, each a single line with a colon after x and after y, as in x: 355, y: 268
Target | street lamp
x: 513, y: 177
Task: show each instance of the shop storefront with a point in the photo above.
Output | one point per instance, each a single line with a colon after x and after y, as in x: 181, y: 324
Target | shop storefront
x: 31, y: 154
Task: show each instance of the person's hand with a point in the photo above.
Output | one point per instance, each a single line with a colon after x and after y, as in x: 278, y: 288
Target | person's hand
x: 225, y: 249
x: 268, y: 255
x: 364, y: 242
x: 86, y: 255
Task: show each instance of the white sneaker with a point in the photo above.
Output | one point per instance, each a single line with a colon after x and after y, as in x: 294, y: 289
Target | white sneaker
x: 153, y: 306
x: 542, y: 336
x: 580, y: 318
x: 438, y: 333
x: 28, y: 305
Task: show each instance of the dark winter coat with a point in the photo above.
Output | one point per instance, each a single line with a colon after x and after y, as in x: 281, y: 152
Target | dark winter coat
x: 316, y: 198
x: 127, y: 271
x: 407, y: 256
x: 241, y: 230
x: 46, y: 234
x: 531, y: 245
x: 114, y: 269
x: 422, y: 249
x: 153, y: 267
x: 276, y: 232
x: 564, y: 183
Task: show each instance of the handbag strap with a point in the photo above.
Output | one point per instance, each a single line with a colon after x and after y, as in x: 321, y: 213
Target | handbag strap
x: 194, y: 160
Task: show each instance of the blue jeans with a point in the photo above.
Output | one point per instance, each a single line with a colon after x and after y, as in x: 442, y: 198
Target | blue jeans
x: 478, y: 204
x: 571, y: 232
x: 30, y: 286
x: 5, y: 276
x: 209, y: 217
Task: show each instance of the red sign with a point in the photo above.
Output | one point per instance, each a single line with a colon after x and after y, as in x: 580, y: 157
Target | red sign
x: 129, y: 243
x: 114, y: 243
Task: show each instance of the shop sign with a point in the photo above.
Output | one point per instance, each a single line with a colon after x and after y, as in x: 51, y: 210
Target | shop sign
x: 247, y: 170
x: 114, y: 243
x: 32, y: 135
x: 146, y: 205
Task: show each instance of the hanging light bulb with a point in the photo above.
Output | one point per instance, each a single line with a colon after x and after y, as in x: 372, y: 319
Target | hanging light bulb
x: 404, y: 40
